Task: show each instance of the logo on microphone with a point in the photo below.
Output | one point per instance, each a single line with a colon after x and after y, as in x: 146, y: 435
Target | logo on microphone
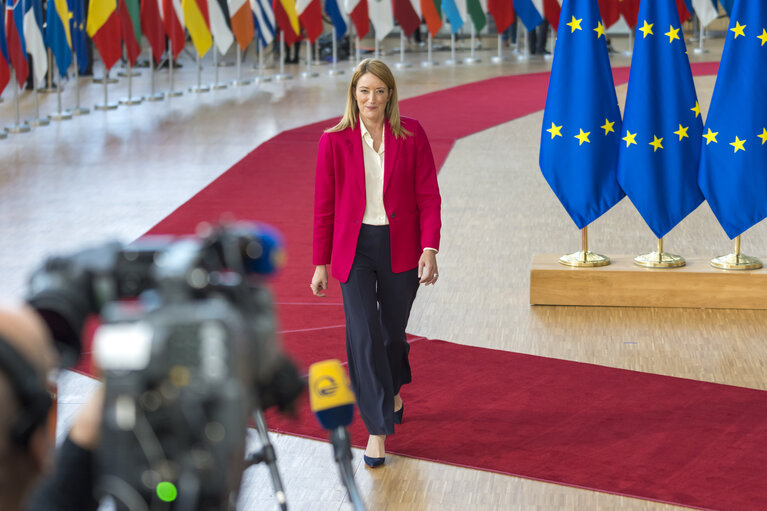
x: 325, y: 386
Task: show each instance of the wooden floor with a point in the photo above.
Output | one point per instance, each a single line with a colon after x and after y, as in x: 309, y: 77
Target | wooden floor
x: 117, y: 173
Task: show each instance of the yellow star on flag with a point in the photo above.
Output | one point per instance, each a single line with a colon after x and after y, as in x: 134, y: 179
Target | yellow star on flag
x: 556, y: 131
x: 696, y: 109
x: 711, y: 136
x: 763, y: 136
x: 682, y: 132
x: 738, y: 145
x: 738, y: 29
x: 600, y: 30
x: 673, y: 33
x: 763, y: 37
x: 583, y: 137
x: 630, y: 138
x: 646, y: 29
x: 657, y: 143
x: 608, y: 127
x: 574, y: 24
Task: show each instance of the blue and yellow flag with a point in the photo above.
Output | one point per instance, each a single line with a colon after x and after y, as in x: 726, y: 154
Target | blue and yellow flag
x: 57, y: 34
x: 77, y: 31
x: 733, y: 170
x: 582, y: 121
x: 662, y: 125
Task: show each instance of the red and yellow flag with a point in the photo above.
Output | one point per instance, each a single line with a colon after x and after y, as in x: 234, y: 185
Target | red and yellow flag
x: 198, y: 24
x: 103, y: 27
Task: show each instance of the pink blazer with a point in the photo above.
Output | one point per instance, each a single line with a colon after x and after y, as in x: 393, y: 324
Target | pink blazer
x: 411, y: 198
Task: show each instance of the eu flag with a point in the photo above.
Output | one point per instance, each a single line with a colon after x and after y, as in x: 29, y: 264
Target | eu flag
x: 733, y: 170
x: 582, y: 121
x: 77, y: 30
x: 662, y: 125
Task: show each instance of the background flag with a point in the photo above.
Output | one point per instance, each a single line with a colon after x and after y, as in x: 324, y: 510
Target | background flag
x: 502, y: 12
x: 151, y: 27
x: 582, y: 121
x: 477, y: 10
x: 685, y: 9
x: 198, y: 24
x: 130, y: 28
x: 5, y: 71
x: 264, y: 20
x: 405, y: 12
x: 705, y: 10
x: 242, y: 22
x: 104, y: 28
x: 610, y: 12
x: 358, y: 12
x: 630, y: 10
x: 430, y: 10
x: 173, y: 21
x: 662, y: 124
x: 77, y: 31
x: 728, y: 5
x: 733, y: 170
x: 14, y: 32
x: 58, y: 36
x: 453, y: 14
x: 552, y: 10
x: 337, y: 17
x: 381, y: 17
x: 219, y: 25
x: 33, y: 38
x: 310, y: 16
x: 530, y: 12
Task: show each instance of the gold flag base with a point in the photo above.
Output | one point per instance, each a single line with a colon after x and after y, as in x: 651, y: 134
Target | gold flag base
x: 659, y: 260
x: 584, y: 259
x: 736, y: 262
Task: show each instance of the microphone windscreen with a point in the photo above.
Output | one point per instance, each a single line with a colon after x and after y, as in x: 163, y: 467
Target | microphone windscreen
x: 331, y: 398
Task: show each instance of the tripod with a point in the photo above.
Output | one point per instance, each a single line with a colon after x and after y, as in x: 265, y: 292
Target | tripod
x: 267, y: 455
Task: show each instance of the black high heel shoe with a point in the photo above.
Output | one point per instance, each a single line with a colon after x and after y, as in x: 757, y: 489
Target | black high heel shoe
x: 373, y: 462
x: 398, y: 414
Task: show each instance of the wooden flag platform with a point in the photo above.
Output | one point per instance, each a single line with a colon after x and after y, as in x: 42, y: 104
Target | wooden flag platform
x: 624, y: 284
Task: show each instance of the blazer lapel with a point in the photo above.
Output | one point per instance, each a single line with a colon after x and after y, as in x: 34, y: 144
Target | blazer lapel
x: 357, y: 160
x: 391, y: 150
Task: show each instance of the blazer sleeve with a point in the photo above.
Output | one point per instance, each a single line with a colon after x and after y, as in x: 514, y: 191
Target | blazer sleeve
x: 324, y: 202
x: 427, y: 191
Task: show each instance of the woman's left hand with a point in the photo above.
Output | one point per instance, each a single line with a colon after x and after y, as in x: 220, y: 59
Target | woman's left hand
x: 427, y: 267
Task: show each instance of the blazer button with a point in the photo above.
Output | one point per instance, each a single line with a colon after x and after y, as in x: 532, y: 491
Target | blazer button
x: 393, y: 214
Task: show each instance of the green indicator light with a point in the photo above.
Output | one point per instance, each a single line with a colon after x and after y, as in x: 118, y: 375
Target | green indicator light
x: 166, y: 491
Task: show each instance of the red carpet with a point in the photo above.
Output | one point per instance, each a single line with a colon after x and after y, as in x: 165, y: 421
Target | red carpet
x: 649, y: 436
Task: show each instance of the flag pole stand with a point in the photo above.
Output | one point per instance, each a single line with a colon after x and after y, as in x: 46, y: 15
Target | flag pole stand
x: 499, y: 58
x: 472, y: 58
x: 522, y: 36
x: 736, y: 260
x: 261, y: 78
x: 630, y: 51
x: 78, y: 110
x: 700, y: 49
x: 37, y: 121
x: 130, y: 100
x: 60, y: 115
x: 200, y: 87
x: 130, y: 72
x: 238, y: 82
x: 107, y: 105
x: 317, y: 61
x: 282, y: 75
x: 659, y: 259
x: 309, y: 73
x: 452, y: 60
x: 106, y: 76
x: 49, y: 87
x: 429, y: 62
x: 172, y: 92
x: 402, y: 64
x: 153, y: 96
x: 333, y: 69
x: 216, y: 84
x: 357, y: 52
x: 584, y: 258
x: 18, y: 127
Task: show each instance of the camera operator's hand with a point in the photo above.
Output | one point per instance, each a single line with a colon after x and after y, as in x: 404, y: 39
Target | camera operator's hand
x: 86, y: 429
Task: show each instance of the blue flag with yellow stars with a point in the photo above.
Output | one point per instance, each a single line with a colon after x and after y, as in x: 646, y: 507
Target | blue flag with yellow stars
x: 582, y: 121
x: 662, y: 125
x: 733, y: 170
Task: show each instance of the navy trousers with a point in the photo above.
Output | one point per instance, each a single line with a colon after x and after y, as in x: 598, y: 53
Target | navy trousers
x: 377, y: 306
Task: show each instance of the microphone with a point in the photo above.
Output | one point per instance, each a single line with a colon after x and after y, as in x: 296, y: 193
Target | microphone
x: 332, y: 402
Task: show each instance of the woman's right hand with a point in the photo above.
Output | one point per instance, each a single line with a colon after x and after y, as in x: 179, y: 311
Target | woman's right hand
x: 319, y: 280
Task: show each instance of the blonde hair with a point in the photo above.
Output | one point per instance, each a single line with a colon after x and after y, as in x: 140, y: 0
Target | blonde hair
x: 351, y: 113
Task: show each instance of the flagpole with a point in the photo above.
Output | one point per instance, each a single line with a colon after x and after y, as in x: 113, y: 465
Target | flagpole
x: 171, y: 92
x: 261, y: 78
x: 59, y: 115
x: 660, y: 259
x: 700, y: 49
x: 153, y: 96
x: 107, y: 105
x: 309, y: 73
x: 429, y: 62
x: 499, y: 59
x: 130, y: 100
x: 130, y: 71
x: 18, y: 127
x: 452, y: 60
x: 216, y: 85
x: 282, y: 74
x: 333, y: 69
x: 525, y: 55
x: 238, y: 82
x: 49, y: 74
x: 472, y: 58
x: 584, y: 258
x: 200, y: 87
x: 736, y: 260
x: 402, y: 64
x: 630, y: 51
x: 78, y: 109
x: 37, y: 121
x: 357, y: 52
